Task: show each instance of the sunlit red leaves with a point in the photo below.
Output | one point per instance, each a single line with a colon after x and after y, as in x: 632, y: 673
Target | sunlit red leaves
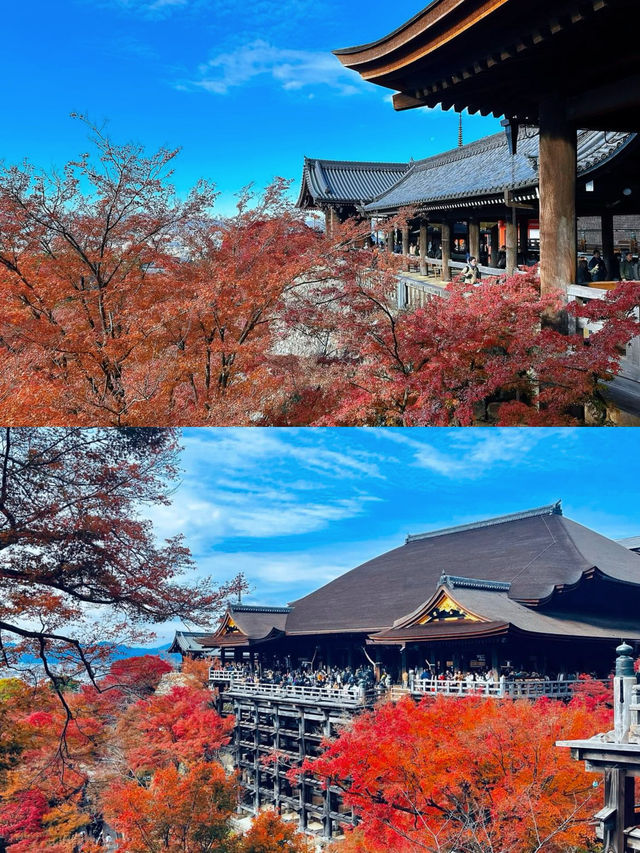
x: 129, y: 307
x: 173, y: 728
x: 469, y: 774
x: 269, y: 834
x: 178, y: 812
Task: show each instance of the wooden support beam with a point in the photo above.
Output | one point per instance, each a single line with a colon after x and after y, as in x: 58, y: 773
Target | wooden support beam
x: 523, y: 236
x: 608, y: 243
x: 557, y: 168
x: 512, y: 247
x: 445, y: 238
x: 474, y: 238
x: 423, y: 247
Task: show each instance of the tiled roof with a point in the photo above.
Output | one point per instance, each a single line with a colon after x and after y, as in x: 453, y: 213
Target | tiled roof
x: 187, y: 641
x: 253, y: 623
x: 339, y: 181
x: 500, y: 611
x: 486, y: 168
x: 538, y: 555
x: 633, y: 543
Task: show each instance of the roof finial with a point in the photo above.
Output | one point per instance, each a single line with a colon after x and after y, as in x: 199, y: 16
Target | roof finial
x: 460, y: 141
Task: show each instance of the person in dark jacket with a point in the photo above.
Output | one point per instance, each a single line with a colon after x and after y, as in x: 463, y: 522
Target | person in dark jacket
x: 628, y: 269
x: 584, y: 276
x: 597, y: 267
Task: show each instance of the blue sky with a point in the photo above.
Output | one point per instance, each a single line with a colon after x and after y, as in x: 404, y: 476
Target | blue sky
x: 245, y: 89
x: 295, y: 508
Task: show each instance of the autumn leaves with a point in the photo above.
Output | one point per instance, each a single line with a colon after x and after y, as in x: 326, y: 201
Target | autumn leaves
x: 126, y: 305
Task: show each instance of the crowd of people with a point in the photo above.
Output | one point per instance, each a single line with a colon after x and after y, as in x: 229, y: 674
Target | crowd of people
x: 364, y: 676
x: 625, y: 267
x: 281, y: 674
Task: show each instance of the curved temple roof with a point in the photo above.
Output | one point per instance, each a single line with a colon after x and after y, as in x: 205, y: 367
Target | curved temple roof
x: 485, y: 169
x: 246, y: 623
x: 536, y: 555
x: 326, y: 182
x: 489, y: 57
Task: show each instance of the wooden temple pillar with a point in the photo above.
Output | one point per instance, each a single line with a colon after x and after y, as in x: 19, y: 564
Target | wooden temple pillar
x: 494, y: 245
x: 512, y: 247
x: 523, y: 237
x: 391, y: 239
x: 608, y: 246
x: 331, y: 220
x: 557, y: 167
x: 445, y: 238
x: 474, y: 238
x: 423, y: 246
x: 405, y: 244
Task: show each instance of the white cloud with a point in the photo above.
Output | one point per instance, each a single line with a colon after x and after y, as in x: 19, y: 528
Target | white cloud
x: 261, y: 484
x: 291, y: 70
x: 471, y: 453
x: 149, y: 8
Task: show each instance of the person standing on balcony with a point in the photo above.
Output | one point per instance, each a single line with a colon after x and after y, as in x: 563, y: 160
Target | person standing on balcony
x: 584, y: 276
x: 597, y: 267
x: 628, y: 269
x: 471, y: 273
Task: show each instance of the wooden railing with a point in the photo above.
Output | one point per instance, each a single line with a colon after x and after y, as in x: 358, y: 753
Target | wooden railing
x: 630, y: 361
x: 224, y: 676
x: 525, y: 688
x: 344, y: 696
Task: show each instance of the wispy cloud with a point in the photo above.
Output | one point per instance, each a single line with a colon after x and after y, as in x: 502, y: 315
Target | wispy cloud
x: 291, y: 70
x: 472, y: 453
x: 248, y: 484
x: 150, y: 8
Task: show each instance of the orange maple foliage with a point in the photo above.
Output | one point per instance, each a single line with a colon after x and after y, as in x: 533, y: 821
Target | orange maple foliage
x: 178, y: 812
x: 124, y: 306
x: 471, y: 774
x: 269, y: 834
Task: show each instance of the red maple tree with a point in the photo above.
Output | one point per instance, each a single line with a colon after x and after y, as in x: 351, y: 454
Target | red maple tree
x: 471, y: 774
x: 81, y: 568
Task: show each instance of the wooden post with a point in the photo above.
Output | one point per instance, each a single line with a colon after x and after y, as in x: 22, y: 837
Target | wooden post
x: 405, y: 240
x: 445, y: 237
x: 405, y: 244
x: 423, y: 247
x: 330, y: 221
x: 557, y: 166
x: 608, y: 245
x: 523, y: 238
x: 512, y: 247
x: 494, y: 248
x: 391, y: 240
x: 474, y: 239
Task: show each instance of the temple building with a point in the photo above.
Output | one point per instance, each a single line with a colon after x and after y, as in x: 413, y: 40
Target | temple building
x: 531, y: 592
x: 514, y: 606
x: 341, y: 189
x: 482, y: 196
x: 540, y: 70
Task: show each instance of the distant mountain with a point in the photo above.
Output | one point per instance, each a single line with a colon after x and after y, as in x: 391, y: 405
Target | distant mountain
x: 120, y: 653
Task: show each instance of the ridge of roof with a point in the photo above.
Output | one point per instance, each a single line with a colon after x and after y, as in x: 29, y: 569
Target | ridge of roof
x: 256, y: 608
x: 550, y: 509
x: 453, y: 155
x: 456, y: 582
x: 358, y: 164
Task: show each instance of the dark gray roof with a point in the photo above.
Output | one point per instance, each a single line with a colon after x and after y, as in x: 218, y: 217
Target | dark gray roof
x: 535, y: 554
x: 339, y: 181
x: 187, y: 641
x: 485, y: 168
x: 633, y: 543
x: 500, y: 610
x: 254, y: 623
